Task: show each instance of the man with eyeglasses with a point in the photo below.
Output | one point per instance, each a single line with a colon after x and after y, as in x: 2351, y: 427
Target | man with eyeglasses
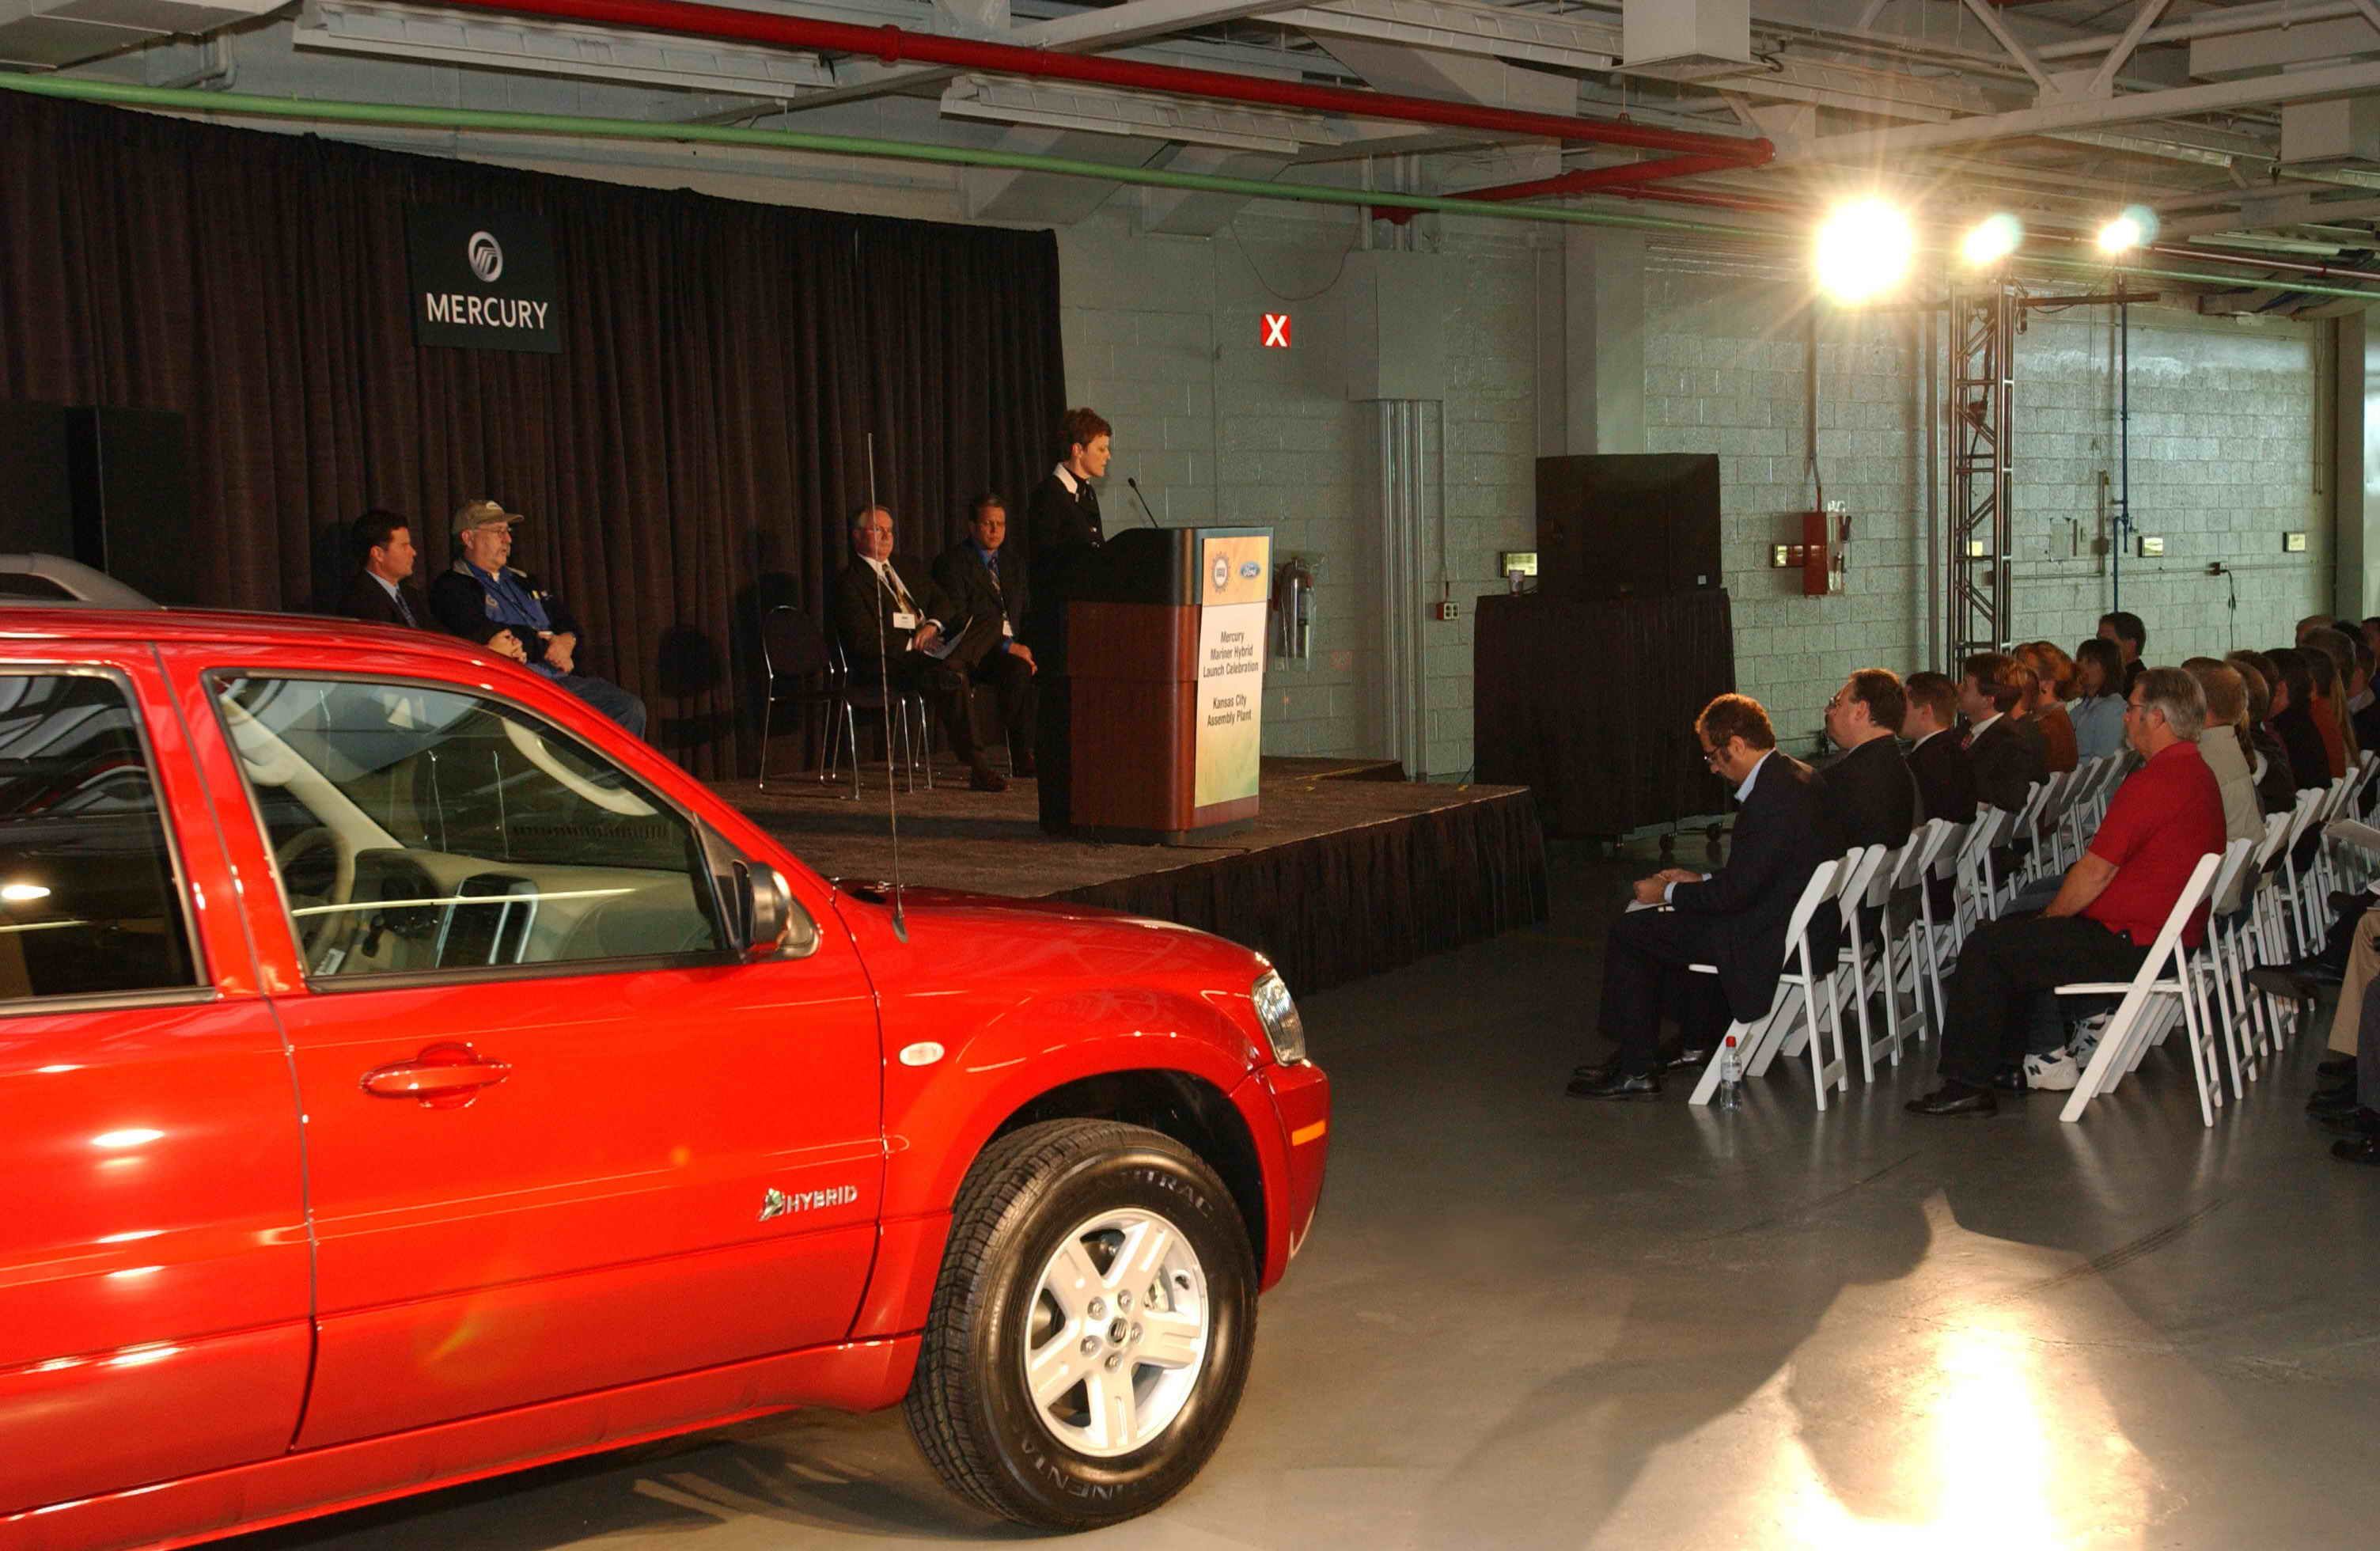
x: 1734, y: 919
x: 2109, y: 910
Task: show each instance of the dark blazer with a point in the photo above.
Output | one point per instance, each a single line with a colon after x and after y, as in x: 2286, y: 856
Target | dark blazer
x: 2276, y: 789
x: 1946, y: 780
x: 460, y: 604
x: 370, y: 601
x: 1062, y: 526
x: 860, y: 606
x: 1870, y: 795
x: 2309, y: 760
x: 984, y: 600
x: 2007, y: 759
x: 1782, y: 833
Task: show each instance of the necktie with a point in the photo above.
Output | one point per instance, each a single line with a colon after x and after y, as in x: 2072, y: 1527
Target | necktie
x: 407, y: 610
x: 900, y: 593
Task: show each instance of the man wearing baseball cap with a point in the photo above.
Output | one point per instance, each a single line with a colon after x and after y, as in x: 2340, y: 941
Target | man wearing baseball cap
x: 480, y: 597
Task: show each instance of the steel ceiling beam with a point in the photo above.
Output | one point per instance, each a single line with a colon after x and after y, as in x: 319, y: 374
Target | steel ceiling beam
x: 2096, y: 112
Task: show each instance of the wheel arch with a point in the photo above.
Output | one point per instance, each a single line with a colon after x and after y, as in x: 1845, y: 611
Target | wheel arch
x: 1173, y: 1103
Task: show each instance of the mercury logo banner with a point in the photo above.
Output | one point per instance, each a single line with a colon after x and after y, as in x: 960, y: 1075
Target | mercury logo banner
x: 481, y: 279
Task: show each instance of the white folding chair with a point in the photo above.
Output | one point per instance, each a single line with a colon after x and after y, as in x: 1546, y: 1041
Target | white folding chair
x: 1975, y: 893
x: 1907, y: 950
x: 1936, y: 940
x: 2217, y: 965
x: 1756, y: 1042
x: 2265, y: 942
x: 2039, y: 828
x: 2296, y: 891
x: 2143, y: 1012
x: 1860, y: 888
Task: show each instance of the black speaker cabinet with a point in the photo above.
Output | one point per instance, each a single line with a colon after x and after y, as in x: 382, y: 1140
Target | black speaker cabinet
x: 129, y: 473
x: 1627, y: 525
x: 37, y: 517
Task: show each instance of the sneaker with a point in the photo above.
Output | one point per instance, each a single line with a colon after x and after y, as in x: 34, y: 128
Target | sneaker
x: 2084, y: 1040
x: 2056, y: 1071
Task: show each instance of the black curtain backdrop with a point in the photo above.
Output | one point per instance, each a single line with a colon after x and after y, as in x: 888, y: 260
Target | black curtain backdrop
x: 692, y: 456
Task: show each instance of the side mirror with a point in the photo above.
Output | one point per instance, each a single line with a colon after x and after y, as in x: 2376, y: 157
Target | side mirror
x: 766, y: 901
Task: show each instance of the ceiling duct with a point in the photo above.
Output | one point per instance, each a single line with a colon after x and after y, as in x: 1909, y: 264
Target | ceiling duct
x: 1685, y: 39
x: 52, y: 34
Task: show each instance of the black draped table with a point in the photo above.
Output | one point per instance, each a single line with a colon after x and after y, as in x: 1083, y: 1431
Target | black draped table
x: 1591, y: 703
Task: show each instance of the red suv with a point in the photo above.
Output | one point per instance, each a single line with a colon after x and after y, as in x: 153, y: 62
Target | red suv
x: 407, y: 1077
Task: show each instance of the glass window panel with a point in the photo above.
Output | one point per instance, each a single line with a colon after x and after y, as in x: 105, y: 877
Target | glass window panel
x: 89, y: 902
x: 421, y: 828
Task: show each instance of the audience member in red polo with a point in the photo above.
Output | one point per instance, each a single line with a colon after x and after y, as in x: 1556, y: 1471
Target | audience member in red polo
x: 2108, y: 912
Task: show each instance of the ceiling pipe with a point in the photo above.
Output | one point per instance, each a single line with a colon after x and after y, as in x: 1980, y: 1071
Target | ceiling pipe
x: 241, y: 104
x: 2257, y: 260
x: 892, y: 46
x: 1588, y: 180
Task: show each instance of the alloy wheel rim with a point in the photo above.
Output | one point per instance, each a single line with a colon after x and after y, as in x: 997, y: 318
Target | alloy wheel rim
x: 1117, y: 1332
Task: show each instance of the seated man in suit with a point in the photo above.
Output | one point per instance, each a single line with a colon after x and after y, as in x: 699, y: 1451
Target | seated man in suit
x: 480, y: 597
x: 888, y: 628
x: 2109, y: 910
x: 990, y: 594
x: 2005, y: 752
x: 1869, y: 790
x: 382, y: 593
x: 1946, y: 779
x: 1734, y: 919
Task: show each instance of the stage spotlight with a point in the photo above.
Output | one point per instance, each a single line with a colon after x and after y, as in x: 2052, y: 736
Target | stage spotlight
x: 1992, y: 239
x: 2128, y: 231
x: 1864, y: 250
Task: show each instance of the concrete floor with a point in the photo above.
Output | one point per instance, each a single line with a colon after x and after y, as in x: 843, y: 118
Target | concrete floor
x: 1526, y: 1321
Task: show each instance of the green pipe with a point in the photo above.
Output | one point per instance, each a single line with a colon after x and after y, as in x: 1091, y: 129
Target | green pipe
x: 245, y: 106
x: 405, y: 115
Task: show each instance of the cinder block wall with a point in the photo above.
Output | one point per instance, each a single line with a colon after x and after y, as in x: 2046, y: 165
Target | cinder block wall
x: 1163, y: 336
x: 2226, y: 456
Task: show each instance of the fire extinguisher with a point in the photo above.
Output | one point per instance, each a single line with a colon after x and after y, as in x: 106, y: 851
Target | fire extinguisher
x: 1292, y: 610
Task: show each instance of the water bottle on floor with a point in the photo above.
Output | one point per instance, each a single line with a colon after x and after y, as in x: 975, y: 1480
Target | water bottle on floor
x: 1730, y: 1077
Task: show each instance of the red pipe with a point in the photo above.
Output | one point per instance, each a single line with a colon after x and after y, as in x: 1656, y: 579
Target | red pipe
x: 1587, y: 180
x: 892, y: 45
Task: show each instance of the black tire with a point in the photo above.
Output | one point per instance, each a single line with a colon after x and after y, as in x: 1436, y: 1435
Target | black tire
x: 968, y: 1407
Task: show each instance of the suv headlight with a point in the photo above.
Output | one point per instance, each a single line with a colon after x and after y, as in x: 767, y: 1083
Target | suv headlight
x: 1279, y: 1015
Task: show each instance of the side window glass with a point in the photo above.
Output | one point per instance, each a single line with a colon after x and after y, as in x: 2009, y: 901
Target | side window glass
x: 88, y: 903
x: 419, y: 829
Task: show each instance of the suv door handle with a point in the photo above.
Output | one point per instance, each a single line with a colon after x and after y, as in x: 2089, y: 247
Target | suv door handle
x: 443, y: 1076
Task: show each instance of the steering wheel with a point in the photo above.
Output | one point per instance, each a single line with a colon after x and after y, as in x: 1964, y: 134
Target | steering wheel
x: 301, y: 860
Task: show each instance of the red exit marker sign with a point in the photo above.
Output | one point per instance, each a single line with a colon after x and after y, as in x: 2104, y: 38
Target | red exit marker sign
x: 1276, y: 331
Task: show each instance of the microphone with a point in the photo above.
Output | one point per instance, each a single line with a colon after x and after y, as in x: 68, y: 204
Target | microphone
x: 1134, y: 484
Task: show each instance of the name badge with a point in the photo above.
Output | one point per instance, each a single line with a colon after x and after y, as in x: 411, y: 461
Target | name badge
x: 904, y: 620
x: 1006, y: 630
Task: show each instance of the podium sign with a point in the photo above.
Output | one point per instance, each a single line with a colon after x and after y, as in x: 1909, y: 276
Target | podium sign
x: 1237, y: 574
x: 1153, y: 721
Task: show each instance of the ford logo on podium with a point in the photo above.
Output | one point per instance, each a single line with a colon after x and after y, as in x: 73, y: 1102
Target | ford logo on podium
x: 1223, y: 573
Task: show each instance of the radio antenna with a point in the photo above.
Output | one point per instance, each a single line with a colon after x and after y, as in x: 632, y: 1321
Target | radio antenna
x: 884, y: 689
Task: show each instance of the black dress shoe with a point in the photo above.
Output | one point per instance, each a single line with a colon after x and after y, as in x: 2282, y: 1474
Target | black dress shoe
x: 2282, y: 981
x: 2011, y: 1079
x: 2365, y: 1152
x: 2318, y: 970
x: 1619, y: 1084
x: 2353, y: 1122
x: 1954, y: 1097
x: 1685, y: 1058
x: 1595, y: 1070
x: 2336, y: 1066
x: 983, y: 778
x: 2332, y: 1101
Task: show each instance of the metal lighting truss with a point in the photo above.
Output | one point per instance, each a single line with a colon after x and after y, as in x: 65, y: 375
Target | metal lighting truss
x: 1983, y: 402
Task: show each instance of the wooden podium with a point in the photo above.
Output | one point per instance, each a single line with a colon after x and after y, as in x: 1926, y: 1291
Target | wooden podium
x: 1161, y: 691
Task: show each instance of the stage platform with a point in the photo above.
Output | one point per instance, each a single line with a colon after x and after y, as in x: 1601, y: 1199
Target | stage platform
x: 1348, y: 871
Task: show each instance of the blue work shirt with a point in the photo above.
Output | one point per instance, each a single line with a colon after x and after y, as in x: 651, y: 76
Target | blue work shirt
x: 510, y: 603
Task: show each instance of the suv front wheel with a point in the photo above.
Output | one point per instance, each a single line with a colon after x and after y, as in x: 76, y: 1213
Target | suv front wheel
x: 1091, y: 1327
